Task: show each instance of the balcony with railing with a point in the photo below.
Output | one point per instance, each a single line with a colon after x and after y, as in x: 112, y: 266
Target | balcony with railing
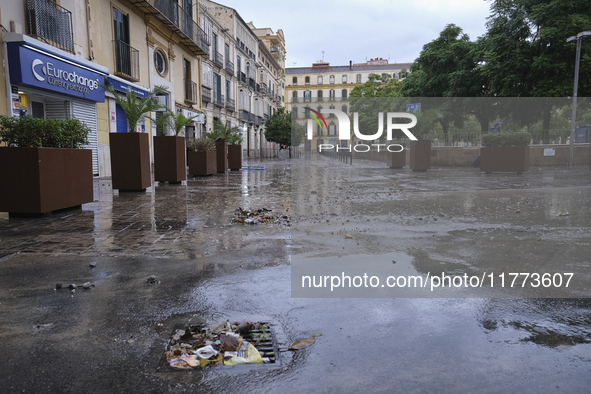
x: 50, y: 23
x: 229, y: 66
x: 179, y: 20
x: 190, y: 91
x: 264, y: 88
x: 294, y: 99
x: 244, y: 115
x: 250, y: 82
x: 230, y: 104
x: 258, y: 120
x: 257, y: 88
x: 242, y: 77
x: 218, y: 100
x: 206, y: 94
x: 218, y: 59
x: 127, y: 61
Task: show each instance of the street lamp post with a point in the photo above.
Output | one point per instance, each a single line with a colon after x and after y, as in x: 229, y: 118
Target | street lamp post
x: 579, y: 37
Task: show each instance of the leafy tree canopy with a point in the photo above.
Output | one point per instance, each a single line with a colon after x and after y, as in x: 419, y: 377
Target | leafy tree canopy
x: 280, y: 129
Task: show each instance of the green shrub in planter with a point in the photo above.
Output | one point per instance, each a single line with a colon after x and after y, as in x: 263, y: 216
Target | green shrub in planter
x: 495, y: 140
x: 202, y: 145
x: 31, y: 132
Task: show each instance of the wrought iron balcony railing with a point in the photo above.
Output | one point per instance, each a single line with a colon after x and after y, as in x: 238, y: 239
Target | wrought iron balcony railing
x: 230, y: 104
x: 263, y: 88
x: 258, y: 120
x: 218, y: 100
x: 50, y: 23
x: 190, y: 91
x: 250, y: 82
x: 206, y: 94
x: 244, y: 115
x: 127, y: 61
x: 229, y: 66
x: 294, y: 99
x: 179, y: 20
x: 218, y: 59
x: 242, y: 77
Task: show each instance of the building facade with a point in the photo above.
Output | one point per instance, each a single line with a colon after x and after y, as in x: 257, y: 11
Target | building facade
x: 325, y: 86
x: 211, y: 63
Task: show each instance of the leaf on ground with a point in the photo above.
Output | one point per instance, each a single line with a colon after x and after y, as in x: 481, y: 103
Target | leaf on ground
x: 302, y: 343
x: 317, y: 335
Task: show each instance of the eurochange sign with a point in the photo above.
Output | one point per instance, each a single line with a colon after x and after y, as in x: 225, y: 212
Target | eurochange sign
x: 40, y: 69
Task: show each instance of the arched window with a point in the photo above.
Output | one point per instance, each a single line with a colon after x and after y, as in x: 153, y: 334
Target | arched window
x: 344, y: 94
x: 307, y: 80
x: 307, y: 96
x: 306, y: 113
x: 331, y: 95
x: 344, y: 79
x: 294, y: 96
x: 319, y: 109
x: 295, y: 81
x: 320, y: 95
x: 318, y: 130
x: 294, y: 111
x: 358, y: 78
x: 332, y: 79
x: 320, y: 80
x: 331, y: 115
x: 332, y: 129
x: 344, y: 109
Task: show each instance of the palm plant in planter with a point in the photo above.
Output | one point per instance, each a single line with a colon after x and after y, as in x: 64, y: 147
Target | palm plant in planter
x: 224, y: 135
x: 130, y: 152
x: 42, y: 167
x: 202, y: 157
x: 169, y: 150
x: 505, y: 152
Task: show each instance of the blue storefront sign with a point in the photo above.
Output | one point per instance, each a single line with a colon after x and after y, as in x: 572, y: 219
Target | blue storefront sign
x: 41, y: 69
x: 124, y: 87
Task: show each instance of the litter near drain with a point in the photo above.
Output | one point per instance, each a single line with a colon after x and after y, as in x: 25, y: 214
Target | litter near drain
x: 260, y: 216
x: 253, y: 168
x: 225, y: 343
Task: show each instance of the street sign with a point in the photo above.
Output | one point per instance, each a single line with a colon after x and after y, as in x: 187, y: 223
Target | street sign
x: 413, y: 107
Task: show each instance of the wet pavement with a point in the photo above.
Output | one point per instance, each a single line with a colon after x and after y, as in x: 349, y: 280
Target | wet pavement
x: 112, y: 336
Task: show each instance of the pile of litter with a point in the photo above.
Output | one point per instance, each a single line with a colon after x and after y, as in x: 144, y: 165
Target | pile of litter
x: 264, y: 216
x: 223, y: 343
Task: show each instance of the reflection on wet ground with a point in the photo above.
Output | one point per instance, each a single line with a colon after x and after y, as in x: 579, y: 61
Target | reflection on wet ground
x: 112, y: 336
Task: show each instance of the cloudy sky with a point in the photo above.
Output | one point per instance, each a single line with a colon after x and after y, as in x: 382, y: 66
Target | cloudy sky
x: 359, y: 30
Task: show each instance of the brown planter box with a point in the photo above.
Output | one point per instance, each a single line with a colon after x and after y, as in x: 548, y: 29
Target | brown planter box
x: 221, y: 149
x: 234, y: 157
x: 130, y: 161
x: 169, y: 159
x: 420, y: 155
x: 39, y: 180
x: 202, y: 163
x: 397, y: 159
x: 504, y: 159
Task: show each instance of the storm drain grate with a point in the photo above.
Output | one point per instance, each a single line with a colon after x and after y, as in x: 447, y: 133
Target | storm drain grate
x: 223, y: 344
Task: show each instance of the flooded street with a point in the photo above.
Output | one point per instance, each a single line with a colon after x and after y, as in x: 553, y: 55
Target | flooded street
x: 356, y: 218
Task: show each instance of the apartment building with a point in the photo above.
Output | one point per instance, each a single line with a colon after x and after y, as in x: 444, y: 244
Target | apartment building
x: 219, y: 83
x: 326, y: 86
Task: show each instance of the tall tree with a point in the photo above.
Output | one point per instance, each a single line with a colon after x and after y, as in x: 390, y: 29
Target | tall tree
x: 525, y: 51
x: 280, y: 129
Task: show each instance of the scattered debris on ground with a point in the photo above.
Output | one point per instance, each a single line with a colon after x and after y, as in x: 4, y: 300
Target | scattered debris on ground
x: 225, y: 343
x: 153, y: 280
x: 258, y: 216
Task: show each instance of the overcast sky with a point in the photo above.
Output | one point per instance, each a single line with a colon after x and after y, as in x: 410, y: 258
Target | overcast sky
x: 359, y: 30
